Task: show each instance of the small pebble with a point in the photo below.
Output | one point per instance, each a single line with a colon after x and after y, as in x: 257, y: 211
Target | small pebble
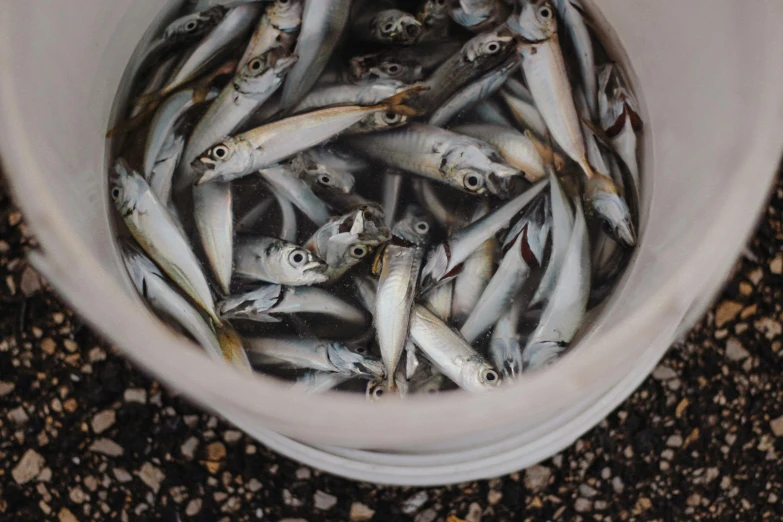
x: 360, y: 512
x: 582, y: 505
x: 107, y: 447
x: 537, y: 477
x: 674, y: 441
x: 122, y: 475
x: 65, y: 515
x: 28, y: 467
x: 102, y: 421
x: 324, y: 501
x: 136, y: 395
x: 216, y: 451
x: 413, y: 503
x: 193, y: 507
x: 303, y: 473
x: 151, y: 475
x: 18, y: 416
x: 232, y: 436
x: 474, y: 513
x: 726, y: 312
x: 254, y: 485
x: 494, y: 496
x: 428, y: 515
x: 6, y: 388
x: 776, y: 265
x: 777, y: 426
x: 663, y: 373
x: 735, y: 351
x: 188, y: 448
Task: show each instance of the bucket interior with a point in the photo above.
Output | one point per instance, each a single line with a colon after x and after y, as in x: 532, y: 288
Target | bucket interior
x: 705, y: 126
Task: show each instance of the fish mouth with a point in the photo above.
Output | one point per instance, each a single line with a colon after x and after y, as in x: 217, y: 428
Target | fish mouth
x: 315, y: 267
x: 410, y: 29
x: 205, y: 169
x: 626, y: 234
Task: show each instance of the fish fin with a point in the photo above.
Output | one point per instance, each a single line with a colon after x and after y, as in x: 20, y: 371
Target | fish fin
x: 398, y: 103
x: 200, y: 93
x: 598, y: 133
x: 377, y: 264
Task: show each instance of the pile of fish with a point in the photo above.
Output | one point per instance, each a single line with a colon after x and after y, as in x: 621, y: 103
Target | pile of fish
x: 389, y: 196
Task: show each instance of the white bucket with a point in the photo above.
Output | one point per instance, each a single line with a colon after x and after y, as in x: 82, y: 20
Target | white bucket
x: 710, y: 80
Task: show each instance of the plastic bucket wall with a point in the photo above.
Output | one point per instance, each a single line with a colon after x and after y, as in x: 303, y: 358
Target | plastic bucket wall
x: 709, y: 75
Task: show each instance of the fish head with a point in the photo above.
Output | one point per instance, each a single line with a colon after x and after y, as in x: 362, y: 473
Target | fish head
x: 286, y: 15
x: 384, y: 66
x: 223, y: 161
x: 126, y: 188
x: 294, y: 265
x: 256, y: 302
x: 433, y: 13
x: 323, y: 176
x: 415, y: 226
x: 533, y: 21
x: 541, y: 354
x: 196, y: 24
x: 348, y: 239
x: 611, y: 209
x: 491, y: 43
x: 264, y: 73
x: 396, y: 26
x: 477, y: 375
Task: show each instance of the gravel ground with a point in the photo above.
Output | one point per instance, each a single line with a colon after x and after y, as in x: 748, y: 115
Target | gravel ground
x: 84, y: 436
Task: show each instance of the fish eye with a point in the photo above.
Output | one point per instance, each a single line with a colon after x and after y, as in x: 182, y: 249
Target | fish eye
x: 432, y: 391
x: 391, y: 117
x: 388, y: 27
x: 393, y: 68
x: 325, y: 180
x: 191, y: 26
x: 297, y: 258
x: 220, y: 152
x: 545, y: 12
x: 440, y: 2
x: 423, y: 227
x: 361, y: 349
x: 283, y: 2
x: 412, y: 30
x: 115, y: 193
x: 473, y: 182
x: 359, y: 251
x: 377, y: 392
x: 493, y: 47
x: 490, y: 376
x: 255, y: 64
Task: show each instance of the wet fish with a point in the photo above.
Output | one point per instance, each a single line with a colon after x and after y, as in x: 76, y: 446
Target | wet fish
x: 319, y: 173
x: 440, y: 300
x: 261, y: 147
x: 450, y: 353
x: 524, y: 112
x: 435, y: 20
x: 479, y: 15
x: 535, y: 26
x: 365, y: 93
x: 153, y: 286
x: 398, y: 275
x: 415, y: 226
x: 346, y: 240
x: 443, y: 262
x: 474, y: 92
x: 266, y: 302
x: 516, y: 148
x: 428, y: 198
x: 298, y: 192
x: 505, y: 349
x: 276, y: 261
x: 392, y: 186
x: 378, y: 21
x: 312, y: 354
x: 319, y: 382
x: 323, y: 22
x: 160, y: 237
x: 288, y: 227
x: 278, y: 29
x: 467, y: 164
x: 162, y: 174
x: 475, y: 275
x: 489, y: 111
x: 403, y: 64
x: 573, y: 15
x: 337, y: 159
x: 366, y: 288
x: 525, y: 254
x: 214, y: 217
x: 566, y: 307
x: 252, y: 217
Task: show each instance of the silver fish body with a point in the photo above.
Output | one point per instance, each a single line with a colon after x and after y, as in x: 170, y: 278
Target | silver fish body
x: 464, y: 163
x: 275, y: 261
x: 162, y: 174
x: 524, y: 112
x: 440, y: 300
x: 337, y: 159
x: 323, y: 22
x: 446, y: 257
x: 566, y: 307
x: 288, y: 226
x: 505, y: 348
x: 473, y: 93
x: 428, y: 198
x: 151, y: 284
x: 573, y: 15
x: 398, y: 278
x: 479, y: 15
x: 298, y: 192
x: 319, y: 381
x: 278, y: 28
x: 403, y: 64
x: 450, y: 353
x: 312, y: 354
x: 155, y: 230
x: 516, y: 148
x: 214, y: 217
x: 320, y: 174
x: 392, y: 186
x: 491, y: 112
x: 365, y: 93
x: 346, y: 240
x: 266, y: 302
x: 476, y: 273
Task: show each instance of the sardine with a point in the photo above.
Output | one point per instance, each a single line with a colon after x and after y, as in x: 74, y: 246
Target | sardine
x: 526, y: 253
x: 319, y: 382
x: 275, y: 261
x: 298, y: 192
x: 535, y: 25
x: 323, y: 22
x: 162, y: 174
x: 415, y: 226
x: 573, y: 15
x: 345, y: 240
x: 320, y: 174
x: 398, y: 277
x: 475, y: 275
x: 403, y: 64
x: 378, y: 21
x: 278, y: 28
x: 312, y: 354
x: 566, y: 307
x: 516, y: 148
x: 435, y: 20
x: 288, y: 226
x: 266, y: 302
x: 366, y: 288
x: 261, y: 147
x: 479, y: 15
x: 444, y: 260
x: 467, y: 164
x: 152, y: 285
x: 505, y: 349
x: 474, y: 92
x: 232, y: 28
x: 214, y: 217
x: 524, y: 112
x: 450, y: 353
x: 392, y: 186
x: 154, y: 229
x: 365, y: 93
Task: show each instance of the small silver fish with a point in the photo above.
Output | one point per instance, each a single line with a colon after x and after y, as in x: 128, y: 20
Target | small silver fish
x: 318, y: 173
x: 364, y: 93
x: 152, y: 285
x: 298, y: 192
x: 154, y: 229
x: 504, y: 347
x: 162, y: 174
x: 319, y: 382
x: 288, y: 227
x: 440, y: 300
x: 276, y: 261
x: 313, y: 354
x: 524, y: 111
x: 346, y: 240
x: 573, y: 15
x: 404, y: 64
x: 489, y: 111
x: 449, y: 352
x: 476, y: 273
x: 444, y: 260
x: 266, y: 302
x: 278, y: 28
x: 376, y: 22
x: 467, y: 164
x: 337, y: 159
x: 392, y: 187
x: 435, y: 20
x: 414, y: 226
x: 516, y: 148
x: 479, y: 15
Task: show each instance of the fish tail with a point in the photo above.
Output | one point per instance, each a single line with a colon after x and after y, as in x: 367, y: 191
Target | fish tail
x: 399, y: 103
